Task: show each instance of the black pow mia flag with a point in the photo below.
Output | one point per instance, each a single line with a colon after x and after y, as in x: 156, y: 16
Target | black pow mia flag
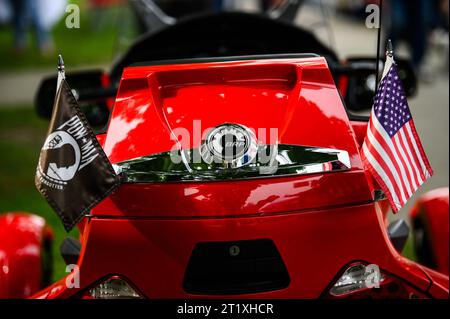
x: 73, y: 173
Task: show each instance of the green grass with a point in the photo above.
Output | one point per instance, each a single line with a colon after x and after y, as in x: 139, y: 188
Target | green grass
x: 98, y: 40
x: 95, y: 42
x: 408, y: 251
x: 21, y: 136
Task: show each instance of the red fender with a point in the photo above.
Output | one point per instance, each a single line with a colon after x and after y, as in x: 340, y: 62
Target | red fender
x: 22, y: 238
x: 430, y: 216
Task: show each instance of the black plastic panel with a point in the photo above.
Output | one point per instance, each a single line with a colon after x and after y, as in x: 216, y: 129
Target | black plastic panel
x: 242, y: 267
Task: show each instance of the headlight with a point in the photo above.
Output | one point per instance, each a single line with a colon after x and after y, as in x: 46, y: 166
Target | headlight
x: 363, y: 281
x: 112, y: 288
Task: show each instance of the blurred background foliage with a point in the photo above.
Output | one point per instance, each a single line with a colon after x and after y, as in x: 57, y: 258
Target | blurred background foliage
x: 103, y: 34
x: 21, y: 136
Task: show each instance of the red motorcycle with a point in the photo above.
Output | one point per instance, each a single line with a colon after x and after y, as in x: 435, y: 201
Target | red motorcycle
x: 194, y: 219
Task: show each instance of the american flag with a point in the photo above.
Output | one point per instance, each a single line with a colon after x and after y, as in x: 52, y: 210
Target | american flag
x: 392, y: 150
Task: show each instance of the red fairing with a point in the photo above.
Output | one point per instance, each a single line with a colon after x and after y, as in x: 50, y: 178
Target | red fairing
x: 319, y: 223
x: 21, y: 239
x: 298, y: 97
x: 153, y: 253
x: 433, y: 208
x: 360, y: 129
x: 295, y: 96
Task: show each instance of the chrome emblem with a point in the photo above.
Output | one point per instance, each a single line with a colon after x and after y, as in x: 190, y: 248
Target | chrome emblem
x: 232, y: 145
x: 234, y: 251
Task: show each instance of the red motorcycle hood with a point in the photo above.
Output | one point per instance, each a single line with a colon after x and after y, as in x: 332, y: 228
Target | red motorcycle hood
x: 156, y: 105
x: 298, y: 97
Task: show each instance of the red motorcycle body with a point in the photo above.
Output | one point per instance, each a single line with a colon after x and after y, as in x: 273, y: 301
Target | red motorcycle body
x: 149, y: 233
x: 430, y: 216
x: 23, y: 241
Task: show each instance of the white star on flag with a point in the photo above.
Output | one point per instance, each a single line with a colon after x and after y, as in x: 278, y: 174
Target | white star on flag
x: 392, y: 150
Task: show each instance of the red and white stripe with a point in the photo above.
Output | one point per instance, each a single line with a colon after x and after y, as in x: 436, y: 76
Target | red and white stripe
x: 397, y: 163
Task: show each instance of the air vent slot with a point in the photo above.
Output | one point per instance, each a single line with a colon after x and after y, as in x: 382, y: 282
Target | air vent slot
x: 241, y: 267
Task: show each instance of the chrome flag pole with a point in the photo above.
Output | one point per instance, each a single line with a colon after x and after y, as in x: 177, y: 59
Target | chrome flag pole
x: 61, y: 71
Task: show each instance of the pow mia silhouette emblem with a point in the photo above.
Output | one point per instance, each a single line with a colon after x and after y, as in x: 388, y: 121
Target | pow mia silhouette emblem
x: 66, y: 151
x: 73, y: 173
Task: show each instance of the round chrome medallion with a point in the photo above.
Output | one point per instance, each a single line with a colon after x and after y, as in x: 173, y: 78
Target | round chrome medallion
x: 233, y: 145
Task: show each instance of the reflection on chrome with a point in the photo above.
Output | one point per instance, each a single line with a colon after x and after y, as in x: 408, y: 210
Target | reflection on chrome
x: 271, y: 161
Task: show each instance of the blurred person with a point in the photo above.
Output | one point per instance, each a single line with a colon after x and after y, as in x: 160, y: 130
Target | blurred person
x: 5, y: 12
x: 411, y: 21
x: 439, y: 39
x: 440, y: 15
x: 269, y: 4
x: 223, y: 5
x: 20, y: 16
x: 41, y: 15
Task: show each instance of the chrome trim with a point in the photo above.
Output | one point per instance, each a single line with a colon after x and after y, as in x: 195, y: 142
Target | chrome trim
x: 117, y: 169
x: 270, y: 161
x: 213, y: 150
x: 379, y: 195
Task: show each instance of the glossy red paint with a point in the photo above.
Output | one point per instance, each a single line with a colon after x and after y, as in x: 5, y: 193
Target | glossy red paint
x: 439, y: 287
x: 360, y: 130
x: 433, y: 208
x: 343, y: 85
x: 319, y: 223
x: 101, y: 139
x: 246, y: 197
x: 285, y: 94
x: 315, y: 245
x: 21, y: 239
x: 106, y: 83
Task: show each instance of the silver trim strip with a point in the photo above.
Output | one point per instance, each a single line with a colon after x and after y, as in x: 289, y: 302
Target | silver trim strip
x: 271, y: 161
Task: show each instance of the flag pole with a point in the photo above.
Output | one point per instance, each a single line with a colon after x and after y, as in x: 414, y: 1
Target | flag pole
x: 389, y: 49
x: 61, y: 71
x: 379, y: 45
x: 389, y: 57
x: 61, y: 67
